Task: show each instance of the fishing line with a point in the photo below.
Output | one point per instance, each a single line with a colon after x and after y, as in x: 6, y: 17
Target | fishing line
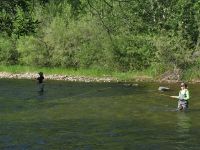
x: 92, y: 91
x: 163, y: 94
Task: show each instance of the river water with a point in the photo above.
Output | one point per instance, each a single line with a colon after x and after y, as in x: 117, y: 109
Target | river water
x: 96, y: 116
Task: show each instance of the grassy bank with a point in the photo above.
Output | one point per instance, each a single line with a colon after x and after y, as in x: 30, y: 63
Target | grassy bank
x: 151, y: 74
x: 120, y: 76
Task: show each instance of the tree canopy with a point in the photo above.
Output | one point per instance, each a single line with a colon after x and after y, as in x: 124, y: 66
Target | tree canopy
x: 111, y: 34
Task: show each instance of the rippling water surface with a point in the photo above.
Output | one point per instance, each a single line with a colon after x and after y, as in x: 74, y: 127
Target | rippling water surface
x: 96, y: 116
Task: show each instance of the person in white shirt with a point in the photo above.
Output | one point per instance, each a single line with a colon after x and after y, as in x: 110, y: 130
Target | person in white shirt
x: 183, y: 97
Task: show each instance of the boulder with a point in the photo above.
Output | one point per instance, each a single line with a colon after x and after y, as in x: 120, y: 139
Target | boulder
x: 162, y: 88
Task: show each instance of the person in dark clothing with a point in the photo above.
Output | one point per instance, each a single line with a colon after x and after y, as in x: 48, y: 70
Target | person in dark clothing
x: 40, y: 82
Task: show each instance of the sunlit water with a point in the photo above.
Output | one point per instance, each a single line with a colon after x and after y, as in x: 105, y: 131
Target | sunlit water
x: 96, y: 116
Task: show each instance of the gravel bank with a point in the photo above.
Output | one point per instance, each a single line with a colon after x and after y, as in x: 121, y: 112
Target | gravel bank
x: 56, y: 77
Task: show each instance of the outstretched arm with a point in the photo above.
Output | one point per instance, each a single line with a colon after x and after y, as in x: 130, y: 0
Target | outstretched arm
x: 177, y: 97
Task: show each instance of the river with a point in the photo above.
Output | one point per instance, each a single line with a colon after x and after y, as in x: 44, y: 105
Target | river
x: 96, y: 116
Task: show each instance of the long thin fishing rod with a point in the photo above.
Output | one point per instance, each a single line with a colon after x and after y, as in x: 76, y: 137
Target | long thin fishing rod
x: 165, y: 95
x: 175, y: 97
x: 162, y: 94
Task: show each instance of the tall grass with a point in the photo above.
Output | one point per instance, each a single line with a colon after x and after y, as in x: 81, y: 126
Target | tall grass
x: 150, y: 74
x: 121, y: 76
x: 191, y: 74
x: 60, y: 71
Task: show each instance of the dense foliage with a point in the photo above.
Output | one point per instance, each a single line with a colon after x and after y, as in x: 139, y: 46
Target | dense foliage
x: 105, y: 34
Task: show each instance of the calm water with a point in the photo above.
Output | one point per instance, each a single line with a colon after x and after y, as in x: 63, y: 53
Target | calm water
x: 96, y: 116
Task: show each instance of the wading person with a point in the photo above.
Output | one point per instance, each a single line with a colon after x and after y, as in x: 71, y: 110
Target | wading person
x: 40, y: 82
x: 183, y: 97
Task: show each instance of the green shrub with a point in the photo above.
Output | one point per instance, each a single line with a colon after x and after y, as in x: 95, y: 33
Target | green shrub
x: 32, y: 51
x: 133, y: 52
x: 78, y: 43
x: 8, y: 53
x: 173, y: 51
x: 95, y: 50
x: 62, y: 46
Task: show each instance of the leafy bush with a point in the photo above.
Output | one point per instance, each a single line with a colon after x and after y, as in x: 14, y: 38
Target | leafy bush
x: 32, y: 51
x: 79, y: 43
x: 8, y: 54
x: 134, y: 53
x: 55, y: 36
x: 117, y: 35
x: 173, y: 51
x: 94, y: 47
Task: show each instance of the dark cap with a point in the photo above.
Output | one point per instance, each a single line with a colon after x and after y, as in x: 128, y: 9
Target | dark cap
x: 40, y: 73
x: 183, y: 84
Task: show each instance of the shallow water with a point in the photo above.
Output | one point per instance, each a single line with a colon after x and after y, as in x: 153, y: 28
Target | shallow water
x: 96, y: 116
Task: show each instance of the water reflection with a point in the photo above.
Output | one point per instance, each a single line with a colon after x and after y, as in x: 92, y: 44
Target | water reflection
x: 183, y: 123
x: 183, y: 129
x: 40, y: 93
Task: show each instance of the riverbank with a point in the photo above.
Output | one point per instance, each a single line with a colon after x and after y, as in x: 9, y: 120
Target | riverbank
x: 74, y: 78
x: 79, y: 75
x: 90, y: 75
x: 29, y: 75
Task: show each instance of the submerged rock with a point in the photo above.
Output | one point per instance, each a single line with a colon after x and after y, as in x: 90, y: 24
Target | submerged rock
x: 162, y: 88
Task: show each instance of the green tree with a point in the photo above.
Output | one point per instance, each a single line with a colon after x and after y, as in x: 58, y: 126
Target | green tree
x: 172, y: 51
x: 189, y: 24
x: 8, y: 53
x: 15, y: 17
x: 32, y: 51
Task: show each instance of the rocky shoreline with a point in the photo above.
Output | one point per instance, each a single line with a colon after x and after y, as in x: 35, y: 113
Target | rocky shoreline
x: 6, y: 75
x: 28, y: 75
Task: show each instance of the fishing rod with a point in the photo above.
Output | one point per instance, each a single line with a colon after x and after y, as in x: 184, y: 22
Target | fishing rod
x: 164, y: 94
x: 175, y: 97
